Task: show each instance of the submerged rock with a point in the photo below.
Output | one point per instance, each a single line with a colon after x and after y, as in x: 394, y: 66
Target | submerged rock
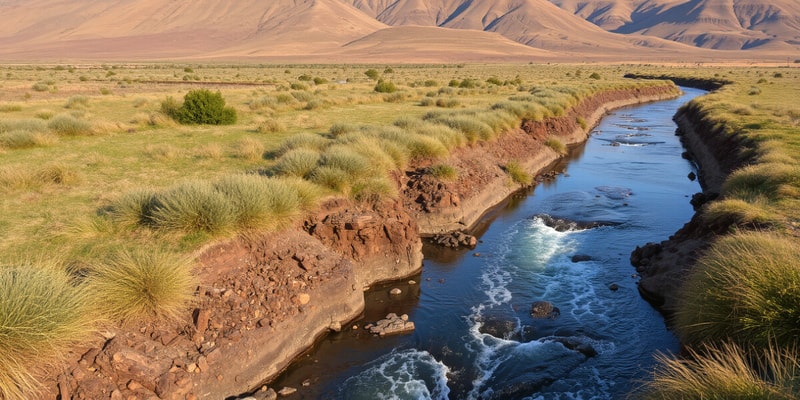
x: 565, y: 224
x: 544, y: 309
x: 455, y: 240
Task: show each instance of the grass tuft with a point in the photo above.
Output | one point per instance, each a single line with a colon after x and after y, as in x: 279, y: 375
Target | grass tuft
x: 518, y: 174
x: 298, y: 162
x: 724, y: 372
x: 43, y: 314
x: 556, y: 145
x: 67, y: 125
x: 142, y: 284
x: 193, y: 206
x: 444, y: 172
x: 747, y: 288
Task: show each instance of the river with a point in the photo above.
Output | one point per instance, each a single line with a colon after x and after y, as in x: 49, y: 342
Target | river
x: 475, y: 337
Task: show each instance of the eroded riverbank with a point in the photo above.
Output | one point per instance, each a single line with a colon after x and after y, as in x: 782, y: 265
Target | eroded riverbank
x: 263, y: 301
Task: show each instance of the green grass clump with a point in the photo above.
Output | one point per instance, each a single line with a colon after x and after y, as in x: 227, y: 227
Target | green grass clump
x: 9, y: 107
x: 444, y: 172
x: 303, y: 140
x: 270, y: 126
x: 747, y: 288
x: 374, y: 189
x: 582, y: 123
x: 259, y: 202
x: 473, y: 128
x: 447, y: 103
x: 67, y: 125
x: 332, y: 178
x: 142, y: 284
x: 556, y: 145
x: 193, y: 206
x: 518, y: 174
x: 133, y: 209
x: 766, y: 180
x: 725, y: 372
x: 77, y: 101
x: 25, y: 139
x: 43, y: 314
x: 299, y: 162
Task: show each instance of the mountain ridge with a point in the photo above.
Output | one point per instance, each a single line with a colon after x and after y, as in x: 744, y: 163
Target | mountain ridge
x: 380, y: 30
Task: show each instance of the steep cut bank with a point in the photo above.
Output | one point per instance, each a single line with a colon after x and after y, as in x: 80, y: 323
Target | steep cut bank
x: 484, y: 182
x: 265, y: 299
x: 664, y: 266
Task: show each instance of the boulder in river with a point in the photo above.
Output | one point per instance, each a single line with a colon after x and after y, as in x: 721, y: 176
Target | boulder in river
x: 392, y: 324
x: 544, y: 309
x: 566, y: 224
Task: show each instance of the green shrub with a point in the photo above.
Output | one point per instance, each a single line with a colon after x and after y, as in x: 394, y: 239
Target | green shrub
x: 201, y: 106
x: 594, y: 75
x: 444, y: 172
x: 494, y: 81
x: 193, y: 207
x: 556, y: 145
x: 304, y: 78
x: 105, y: 91
x: 427, y: 102
x: 142, y: 285
x: 385, y: 87
x: 724, y: 372
x: 43, y: 315
x: 468, y: 84
x: 320, y: 81
x: 454, y: 83
x: 299, y: 162
x: 67, y: 125
x: 746, y: 287
x: 372, y: 74
x: 518, y: 174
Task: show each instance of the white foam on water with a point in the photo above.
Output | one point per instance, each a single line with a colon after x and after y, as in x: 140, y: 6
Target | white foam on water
x: 401, y: 374
x: 540, y: 244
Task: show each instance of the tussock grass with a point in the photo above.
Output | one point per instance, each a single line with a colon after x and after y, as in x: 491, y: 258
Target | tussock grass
x: 142, y: 284
x: 270, y: 126
x: 472, y: 128
x: 23, y: 125
x: 193, y: 206
x: 77, y: 101
x: 765, y: 180
x: 518, y: 174
x: 303, y: 140
x: 162, y: 152
x: 67, y: 125
x: 259, y: 202
x: 746, y: 287
x: 10, y: 107
x: 444, y: 172
x: 332, y: 178
x: 725, y: 372
x: 374, y: 189
x: 26, y: 139
x: 57, y: 173
x: 43, y: 314
x: 299, y: 162
x: 556, y: 145
x: 133, y: 209
x: 249, y: 149
x: 211, y: 151
x: 729, y: 213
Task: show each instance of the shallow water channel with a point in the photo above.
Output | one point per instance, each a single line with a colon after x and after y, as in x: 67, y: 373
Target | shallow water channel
x: 475, y: 337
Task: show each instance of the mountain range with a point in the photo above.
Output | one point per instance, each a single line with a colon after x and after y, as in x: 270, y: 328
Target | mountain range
x: 399, y: 30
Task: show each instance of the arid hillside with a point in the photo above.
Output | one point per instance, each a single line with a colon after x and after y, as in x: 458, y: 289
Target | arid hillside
x: 713, y: 24
x: 398, y: 30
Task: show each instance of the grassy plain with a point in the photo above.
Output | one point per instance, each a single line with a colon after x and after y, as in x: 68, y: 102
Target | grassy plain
x: 90, y: 169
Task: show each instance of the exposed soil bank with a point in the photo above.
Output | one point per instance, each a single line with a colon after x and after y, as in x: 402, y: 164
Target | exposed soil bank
x: 663, y: 266
x: 483, y: 183
x: 266, y: 299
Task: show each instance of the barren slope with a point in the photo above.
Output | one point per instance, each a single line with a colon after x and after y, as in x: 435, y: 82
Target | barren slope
x: 714, y: 24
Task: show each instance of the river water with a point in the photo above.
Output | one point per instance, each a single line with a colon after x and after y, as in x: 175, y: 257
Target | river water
x: 475, y: 336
